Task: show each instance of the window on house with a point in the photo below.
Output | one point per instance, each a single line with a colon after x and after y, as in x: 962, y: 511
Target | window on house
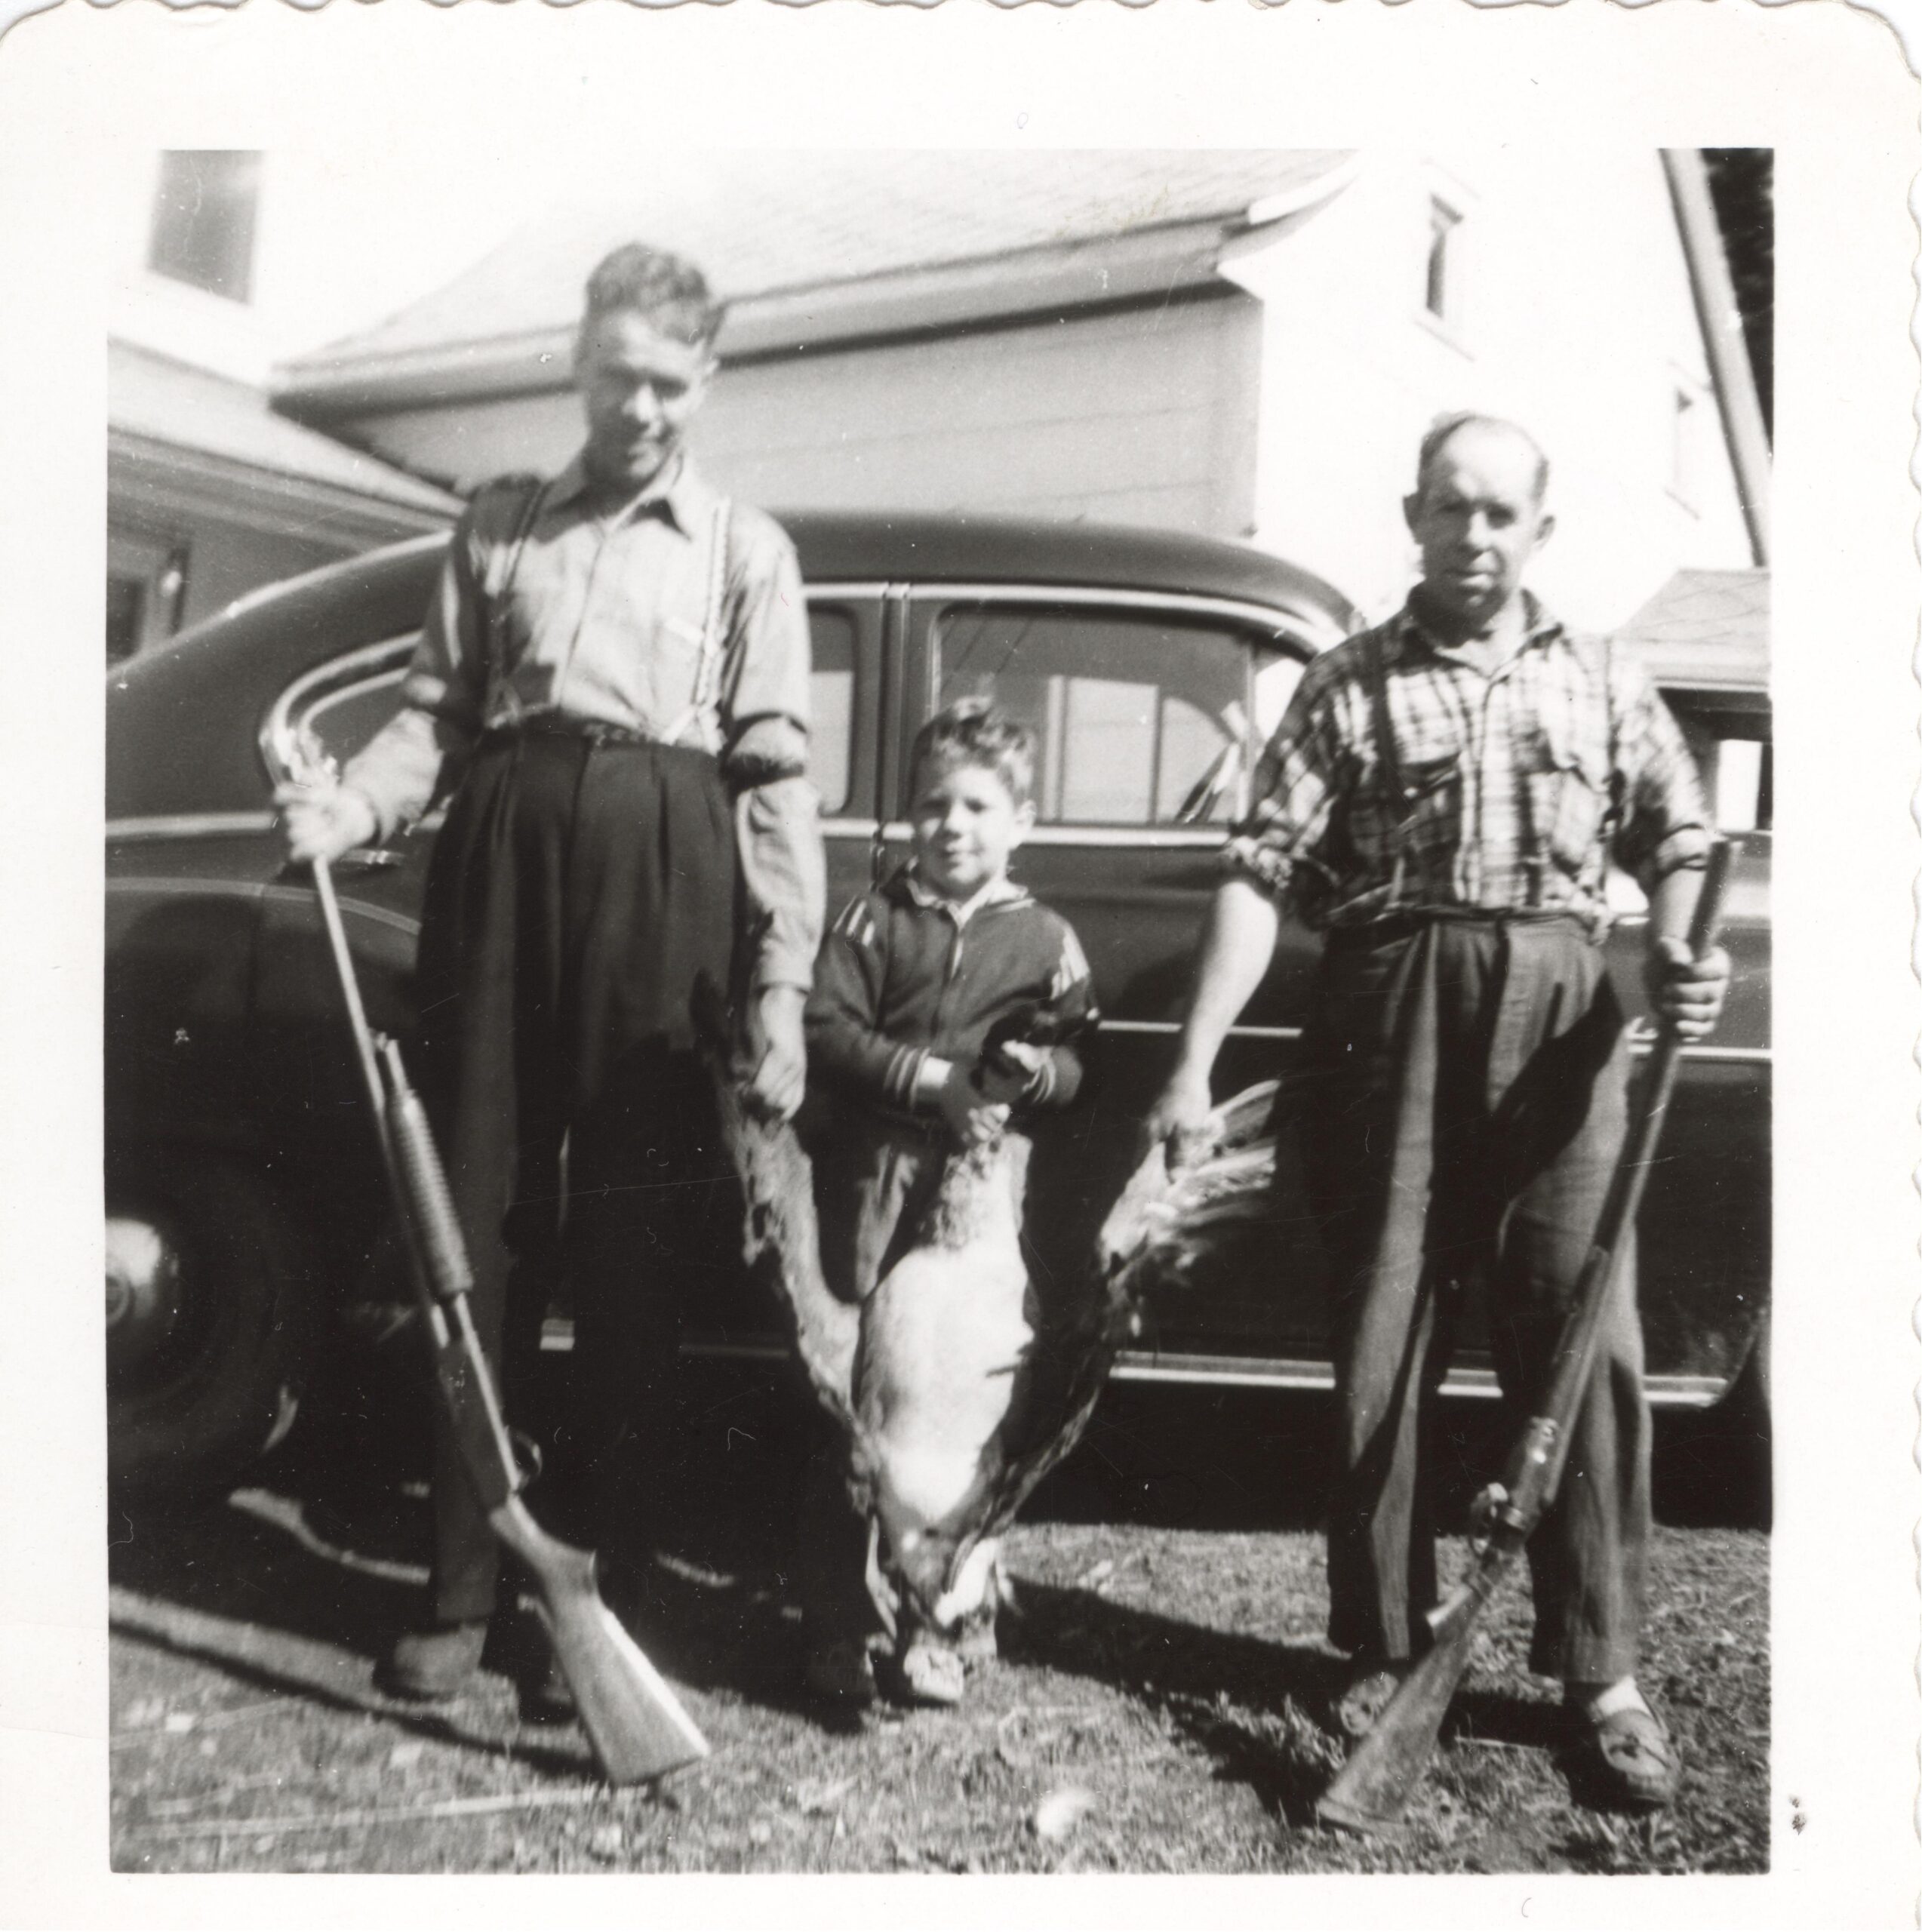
x: 1443, y: 296
x: 203, y: 220
x: 1138, y: 718
x: 126, y: 616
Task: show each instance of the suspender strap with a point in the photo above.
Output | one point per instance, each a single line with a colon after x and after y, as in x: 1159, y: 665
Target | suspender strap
x: 496, y: 658
x: 1388, y: 754
x: 707, y: 664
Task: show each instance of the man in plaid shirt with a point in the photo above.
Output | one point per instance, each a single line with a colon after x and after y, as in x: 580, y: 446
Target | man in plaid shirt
x: 1443, y: 800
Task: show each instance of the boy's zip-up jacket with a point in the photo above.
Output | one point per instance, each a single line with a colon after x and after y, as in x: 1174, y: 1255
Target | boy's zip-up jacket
x: 905, y: 974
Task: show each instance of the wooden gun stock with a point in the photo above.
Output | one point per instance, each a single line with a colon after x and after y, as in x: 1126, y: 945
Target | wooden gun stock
x: 634, y: 1721
x: 1373, y: 1789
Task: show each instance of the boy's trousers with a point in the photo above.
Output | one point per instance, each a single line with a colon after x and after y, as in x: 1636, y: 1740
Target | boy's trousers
x: 580, y: 888
x: 1467, y: 1080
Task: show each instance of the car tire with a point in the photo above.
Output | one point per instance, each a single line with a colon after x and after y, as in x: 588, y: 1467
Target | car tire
x: 208, y: 1322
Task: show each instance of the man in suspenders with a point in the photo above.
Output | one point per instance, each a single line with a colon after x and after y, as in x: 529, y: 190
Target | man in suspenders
x: 613, y: 684
x: 1442, y: 800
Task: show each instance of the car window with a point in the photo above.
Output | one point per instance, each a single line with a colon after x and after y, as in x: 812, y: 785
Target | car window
x: 1729, y: 737
x: 1276, y: 676
x: 831, y: 738
x: 1139, y: 717
x: 344, y: 709
x: 1730, y: 742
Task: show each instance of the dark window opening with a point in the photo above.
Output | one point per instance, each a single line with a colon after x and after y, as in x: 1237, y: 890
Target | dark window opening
x: 126, y: 614
x: 203, y: 220
x: 1443, y: 222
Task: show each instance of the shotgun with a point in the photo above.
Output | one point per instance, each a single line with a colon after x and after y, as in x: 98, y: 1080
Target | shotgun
x: 1373, y: 1787
x: 634, y: 1721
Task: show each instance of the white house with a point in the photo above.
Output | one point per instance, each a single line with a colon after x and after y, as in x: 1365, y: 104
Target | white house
x: 209, y: 493
x: 1244, y: 343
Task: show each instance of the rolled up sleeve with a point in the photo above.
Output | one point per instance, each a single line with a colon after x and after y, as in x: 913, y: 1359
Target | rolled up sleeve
x: 764, y: 717
x: 777, y: 834
x: 1666, y: 826
x: 1276, y: 844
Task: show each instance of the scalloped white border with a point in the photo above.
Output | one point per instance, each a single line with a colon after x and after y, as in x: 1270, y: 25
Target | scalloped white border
x: 1816, y: 82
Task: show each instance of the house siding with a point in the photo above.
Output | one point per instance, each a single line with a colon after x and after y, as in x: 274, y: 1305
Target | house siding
x: 1575, y: 320
x: 1135, y: 415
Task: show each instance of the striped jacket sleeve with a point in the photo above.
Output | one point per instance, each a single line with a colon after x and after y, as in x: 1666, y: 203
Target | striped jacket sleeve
x: 844, y: 1043
x: 1071, y: 1007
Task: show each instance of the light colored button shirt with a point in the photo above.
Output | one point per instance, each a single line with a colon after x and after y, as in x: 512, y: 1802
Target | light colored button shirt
x: 548, y: 603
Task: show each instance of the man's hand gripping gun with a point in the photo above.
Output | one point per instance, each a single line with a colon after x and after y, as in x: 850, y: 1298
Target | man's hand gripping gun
x: 1374, y: 1787
x: 634, y: 1721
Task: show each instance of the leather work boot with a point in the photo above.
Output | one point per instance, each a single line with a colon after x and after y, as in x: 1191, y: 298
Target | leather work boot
x: 433, y: 1665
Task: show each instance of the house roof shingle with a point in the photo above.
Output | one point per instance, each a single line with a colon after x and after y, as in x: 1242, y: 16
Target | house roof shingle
x: 155, y: 398
x: 765, y: 222
x: 1705, y: 627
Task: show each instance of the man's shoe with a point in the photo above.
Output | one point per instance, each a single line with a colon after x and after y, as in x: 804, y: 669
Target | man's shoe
x: 1624, y: 1759
x: 432, y: 1665
x: 1357, y: 1708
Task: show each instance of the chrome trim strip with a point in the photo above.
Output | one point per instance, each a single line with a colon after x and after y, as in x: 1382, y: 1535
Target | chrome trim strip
x: 1174, y: 1026
x: 1276, y: 619
x: 1732, y: 1056
x: 374, y: 915
x: 1199, y: 837
x: 364, y: 664
x: 279, y: 895
x: 1665, y: 1392
x: 1145, y: 838
x: 188, y: 825
x: 850, y: 828
x: 205, y: 888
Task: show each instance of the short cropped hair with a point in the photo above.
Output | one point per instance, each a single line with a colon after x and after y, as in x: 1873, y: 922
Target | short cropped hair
x: 974, y: 732
x: 1443, y: 427
x: 668, y: 290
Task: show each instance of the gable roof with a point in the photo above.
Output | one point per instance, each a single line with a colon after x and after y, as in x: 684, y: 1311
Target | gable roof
x: 1705, y: 628
x: 778, y: 232
x: 154, y: 401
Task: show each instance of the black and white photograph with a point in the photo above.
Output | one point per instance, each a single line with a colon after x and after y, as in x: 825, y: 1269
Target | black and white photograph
x: 934, y: 993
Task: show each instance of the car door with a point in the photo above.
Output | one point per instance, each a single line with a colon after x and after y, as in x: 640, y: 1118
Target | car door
x: 1149, y: 711
x: 336, y: 708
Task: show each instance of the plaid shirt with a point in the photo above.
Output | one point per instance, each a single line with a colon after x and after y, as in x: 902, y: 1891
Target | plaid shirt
x: 1497, y: 791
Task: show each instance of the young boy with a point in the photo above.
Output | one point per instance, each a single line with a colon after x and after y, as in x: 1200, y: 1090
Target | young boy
x: 910, y: 979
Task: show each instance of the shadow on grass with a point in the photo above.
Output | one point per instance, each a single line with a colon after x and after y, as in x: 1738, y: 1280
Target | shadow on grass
x: 1244, y: 1702
x: 437, y: 1724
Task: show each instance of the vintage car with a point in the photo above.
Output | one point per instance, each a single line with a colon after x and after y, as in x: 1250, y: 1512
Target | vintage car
x: 245, y: 1210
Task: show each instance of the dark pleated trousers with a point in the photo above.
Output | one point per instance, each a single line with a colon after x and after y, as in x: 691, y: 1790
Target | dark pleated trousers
x: 1467, y: 1084
x: 576, y: 894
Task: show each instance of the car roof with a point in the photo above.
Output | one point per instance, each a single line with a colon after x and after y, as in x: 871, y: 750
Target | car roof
x: 173, y: 746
